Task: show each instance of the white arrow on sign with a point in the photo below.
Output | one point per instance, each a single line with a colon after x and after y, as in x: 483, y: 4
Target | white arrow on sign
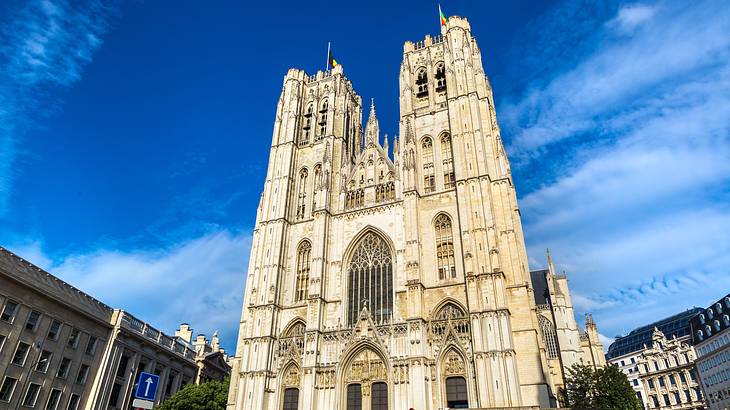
x: 147, y: 389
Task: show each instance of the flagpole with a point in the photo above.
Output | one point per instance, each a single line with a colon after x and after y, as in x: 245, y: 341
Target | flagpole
x: 327, y: 64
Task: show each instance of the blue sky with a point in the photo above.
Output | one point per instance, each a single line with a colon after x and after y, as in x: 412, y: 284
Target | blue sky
x: 133, y: 140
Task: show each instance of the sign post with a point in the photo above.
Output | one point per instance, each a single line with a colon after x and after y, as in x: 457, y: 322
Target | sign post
x: 144, y: 395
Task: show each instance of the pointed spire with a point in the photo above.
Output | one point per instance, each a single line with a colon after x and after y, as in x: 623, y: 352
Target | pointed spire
x: 372, y: 129
x: 395, y: 145
x: 409, y: 131
x: 385, y: 143
x: 551, y: 267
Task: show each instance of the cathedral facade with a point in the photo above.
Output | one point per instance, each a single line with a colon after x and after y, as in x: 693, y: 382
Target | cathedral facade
x: 382, y: 281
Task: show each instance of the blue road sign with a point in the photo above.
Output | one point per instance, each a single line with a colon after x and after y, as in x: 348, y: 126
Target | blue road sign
x: 147, y: 386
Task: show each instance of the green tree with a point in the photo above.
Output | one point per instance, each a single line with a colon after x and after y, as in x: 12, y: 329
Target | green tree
x: 605, y: 388
x: 212, y: 395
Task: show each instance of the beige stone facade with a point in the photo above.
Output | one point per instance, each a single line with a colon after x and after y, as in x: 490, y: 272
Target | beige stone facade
x: 565, y: 343
x: 659, y: 362
x: 384, y: 281
x: 62, y: 349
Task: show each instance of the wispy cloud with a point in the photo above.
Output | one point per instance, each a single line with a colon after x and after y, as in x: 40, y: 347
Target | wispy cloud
x: 44, y: 44
x: 198, y: 281
x: 630, y: 145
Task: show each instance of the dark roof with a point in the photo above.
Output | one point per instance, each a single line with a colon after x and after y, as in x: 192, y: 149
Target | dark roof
x: 540, y: 286
x: 711, y: 321
x: 677, y: 325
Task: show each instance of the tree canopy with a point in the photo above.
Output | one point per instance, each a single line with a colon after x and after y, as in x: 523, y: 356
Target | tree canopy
x: 605, y: 388
x: 212, y: 395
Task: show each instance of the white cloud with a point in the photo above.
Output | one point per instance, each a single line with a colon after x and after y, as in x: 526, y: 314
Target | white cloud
x: 44, y: 44
x: 630, y: 16
x: 199, y: 281
x: 637, y: 209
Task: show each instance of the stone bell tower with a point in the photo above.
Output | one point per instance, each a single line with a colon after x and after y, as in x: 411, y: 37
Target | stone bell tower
x: 317, y: 133
x: 455, y: 161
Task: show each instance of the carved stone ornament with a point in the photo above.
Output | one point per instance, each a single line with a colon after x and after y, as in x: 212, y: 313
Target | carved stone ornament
x: 291, y: 377
x: 453, y: 364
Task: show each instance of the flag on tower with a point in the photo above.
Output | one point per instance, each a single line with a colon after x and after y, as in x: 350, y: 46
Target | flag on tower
x: 331, y: 62
x: 441, y: 16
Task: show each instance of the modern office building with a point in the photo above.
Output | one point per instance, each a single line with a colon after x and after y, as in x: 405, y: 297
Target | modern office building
x: 711, y: 338
x: 659, y: 361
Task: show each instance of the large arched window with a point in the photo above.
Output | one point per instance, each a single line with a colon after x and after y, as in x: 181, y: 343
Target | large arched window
x: 291, y: 379
x: 306, y: 128
x: 322, y: 121
x: 302, y: 200
x: 429, y: 181
x: 421, y: 83
x: 304, y: 258
x: 370, y: 278
x: 440, y: 77
x: 549, y: 337
x: 445, y: 247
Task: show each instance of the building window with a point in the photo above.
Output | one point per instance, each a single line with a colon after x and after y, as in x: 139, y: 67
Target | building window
x: 2, y: 341
x: 83, y: 374
x: 421, y: 83
x: 31, y: 395
x: 302, y: 204
x: 21, y: 353
x: 429, y: 181
x: 549, y: 337
x: 354, y: 397
x: 63, y: 368
x: 53, y: 398
x: 43, y: 361
x: 291, y: 399
x: 73, y: 402
x: 682, y: 378
x: 650, y: 383
x: 32, y: 322
x: 370, y: 279
x: 445, y: 247
x: 303, y: 266
x: 9, y: 311
x: 91, y: 345
x: 114, y: 396
x: 677, y: 398
x: 73, y: 339
x: 655, y: 400
x: 440, y: 77
x: 448, y: 162
x: 304, y: 137
x: 122, y: 368
x: 379, y: 396
x: 456, y: 395
x: 6, y: 390
x: 666, y: 400
x: 54, y: 330
x: 322, y: 121
x: 385, y: 192
x: 661, y: 382
x: 688, y: 396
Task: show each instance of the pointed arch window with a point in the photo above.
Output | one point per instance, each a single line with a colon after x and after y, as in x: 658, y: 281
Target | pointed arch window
x: 304, y: 260
x: 370, y: 279
x: 429, y: 180
x: 456, y: 393
x: 307, y: 127
x: 448, y: 162
x: 440, y: 77
x: 322, y: 121
x: 549, y: 337
x: 302, y: 199
x: 445, y: 247
x: 421, y: 83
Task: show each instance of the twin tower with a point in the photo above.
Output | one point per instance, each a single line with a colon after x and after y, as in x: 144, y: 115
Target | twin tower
x: 381, y: 281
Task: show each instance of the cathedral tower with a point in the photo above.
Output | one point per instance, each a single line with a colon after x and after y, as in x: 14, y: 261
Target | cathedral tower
x: 384, y: 282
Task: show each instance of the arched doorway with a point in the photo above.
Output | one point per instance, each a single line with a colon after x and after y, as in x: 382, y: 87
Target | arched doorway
x: 453, y: 376
x: 366, y: 381
x: 290, y: 383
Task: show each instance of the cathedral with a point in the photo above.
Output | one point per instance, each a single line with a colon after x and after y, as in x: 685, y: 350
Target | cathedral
x: 396, y: 277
